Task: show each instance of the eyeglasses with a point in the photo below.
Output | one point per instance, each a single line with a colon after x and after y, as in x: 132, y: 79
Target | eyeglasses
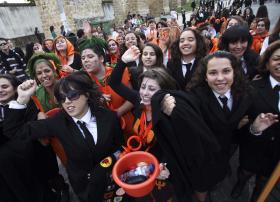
x: 3, y: 44
x: 71, y: 95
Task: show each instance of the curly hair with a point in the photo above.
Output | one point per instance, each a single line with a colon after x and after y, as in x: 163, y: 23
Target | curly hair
x: 239, y: 85
x: 201, y: 49
x: 80, y: 81
x: 266, y: 56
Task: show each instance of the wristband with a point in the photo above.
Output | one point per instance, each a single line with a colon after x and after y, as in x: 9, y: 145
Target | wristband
x: 253, y: 131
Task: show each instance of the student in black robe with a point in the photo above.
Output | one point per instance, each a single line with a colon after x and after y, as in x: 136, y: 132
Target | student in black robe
x: 185, y: 55
x: 223, y: 98
x: 259, y: 149
x: 182, y: 154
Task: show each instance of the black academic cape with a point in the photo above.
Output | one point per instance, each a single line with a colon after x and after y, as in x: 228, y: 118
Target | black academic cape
x: 260, y: 154
x: 185, y: 140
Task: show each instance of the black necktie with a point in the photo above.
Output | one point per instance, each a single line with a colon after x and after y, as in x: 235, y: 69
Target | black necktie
x: 276, y: 90
x: 188, y: 68
x: 88, y: 135
x: 225, y: 106
x: 1, y: 113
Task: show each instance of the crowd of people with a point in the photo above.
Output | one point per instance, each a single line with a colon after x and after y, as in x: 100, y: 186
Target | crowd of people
x: 190, y: 96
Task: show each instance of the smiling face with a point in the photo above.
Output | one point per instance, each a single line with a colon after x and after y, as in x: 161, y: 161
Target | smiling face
x: 61, y: 44
x: 260, y: 27
x: 7, y: 91
x: 187, y: 44
x: 219, y: 75
x: 113, y: 47
x: 149, y: 56
x: 91, y: 62
x: 273, y: 65
x: 44, y: 74
x: 130, y: 40
x: 238, y: 48
x: 147, y: 89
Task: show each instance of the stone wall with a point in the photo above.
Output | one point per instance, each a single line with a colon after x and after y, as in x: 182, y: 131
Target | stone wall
x: 19, y: 21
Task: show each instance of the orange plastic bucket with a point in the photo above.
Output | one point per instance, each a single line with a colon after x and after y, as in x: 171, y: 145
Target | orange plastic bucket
x: 130, y: 160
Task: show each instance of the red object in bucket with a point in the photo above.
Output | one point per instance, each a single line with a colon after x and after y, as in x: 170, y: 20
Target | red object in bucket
x: 130, y: 160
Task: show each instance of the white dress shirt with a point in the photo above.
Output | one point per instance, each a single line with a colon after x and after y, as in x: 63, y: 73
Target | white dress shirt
x: 90, y: 124
x: 274, y: 83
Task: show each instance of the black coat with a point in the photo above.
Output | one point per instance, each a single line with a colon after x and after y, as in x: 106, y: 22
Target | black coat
x: 185, y: 140
x: 222, y: 128
x: 22, y: 175
x: 85, y: 174
x: 251, y: 59
x: 175, y: 70
x: 260, y: 154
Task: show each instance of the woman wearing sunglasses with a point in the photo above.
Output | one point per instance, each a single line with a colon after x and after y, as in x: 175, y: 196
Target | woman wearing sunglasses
x: 87, y: 130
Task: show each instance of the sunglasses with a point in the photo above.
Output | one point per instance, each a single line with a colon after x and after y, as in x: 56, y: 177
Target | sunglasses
x: 3, y: 44
x: 71, y: 95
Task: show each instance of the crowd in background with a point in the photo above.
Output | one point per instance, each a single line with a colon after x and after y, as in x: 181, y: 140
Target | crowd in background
x: 191, y: 95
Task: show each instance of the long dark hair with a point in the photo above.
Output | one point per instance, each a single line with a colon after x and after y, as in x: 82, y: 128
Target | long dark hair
x: 159, y: 57
x: 81, y: 82
x: 239, y: 85
x: 266, y: 56
x: 201, y: 49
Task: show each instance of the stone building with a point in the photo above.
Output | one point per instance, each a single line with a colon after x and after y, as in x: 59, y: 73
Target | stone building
x: 71, y: 13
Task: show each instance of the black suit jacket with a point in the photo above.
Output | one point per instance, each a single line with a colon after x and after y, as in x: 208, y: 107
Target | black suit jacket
x: 260, y: 154
x: 175, y: 70
x: 81, y: 162
x: 222, y: 128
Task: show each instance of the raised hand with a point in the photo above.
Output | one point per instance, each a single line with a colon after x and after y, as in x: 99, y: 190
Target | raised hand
x: 263, y: 121
x: 132, y: 54
x: 25, y: 91
x: 167, y: 104
x: 87, y: 28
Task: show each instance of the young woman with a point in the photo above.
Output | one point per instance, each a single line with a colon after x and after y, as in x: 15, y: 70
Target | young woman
x: 248, y: 15
x: 259, y: 153
x: 87, y: 131
x: 185, y: 55
x: 69, y: 59
x: 223, y: 98
x: 238, y: 40
x: 262, y: 29
x: 114, y: 52
x: 273, y: 36
x: 130, y: 39
x: 93, y: 63
x: 151, y: 57
x: 182, y: 153
x: 44, y: 68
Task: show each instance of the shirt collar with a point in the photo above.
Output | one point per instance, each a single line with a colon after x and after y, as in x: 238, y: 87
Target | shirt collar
x: 184, y: 63
x: 273, y: 81
x: 86, y: 118
x: 227, y: 94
